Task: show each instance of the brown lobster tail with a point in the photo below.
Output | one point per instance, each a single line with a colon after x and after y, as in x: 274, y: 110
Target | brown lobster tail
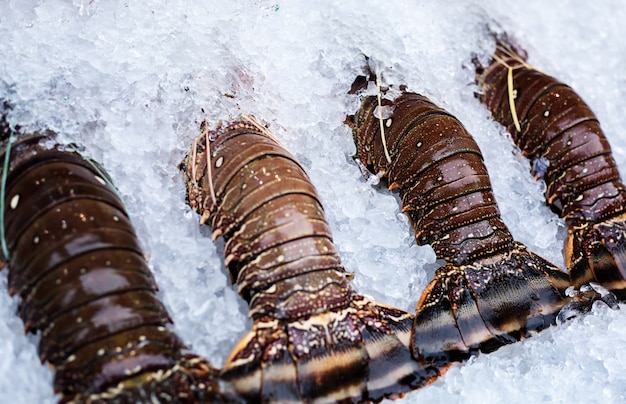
x: 493, y: 290
x: 75, y: 261
x: 313, y: 338
x: 557, y: 130
x: 427, y: 154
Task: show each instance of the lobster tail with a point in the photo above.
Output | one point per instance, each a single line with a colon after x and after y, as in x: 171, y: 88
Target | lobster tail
x: 561, y: 135
x: 313, y: 338
x: 74, y: 259
x: 493, y: 290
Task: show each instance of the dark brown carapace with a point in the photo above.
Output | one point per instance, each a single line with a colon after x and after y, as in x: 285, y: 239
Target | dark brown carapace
x: 313, y: 339
x: 493, y: 290
x: 562, y: 137
x: 74, y: 259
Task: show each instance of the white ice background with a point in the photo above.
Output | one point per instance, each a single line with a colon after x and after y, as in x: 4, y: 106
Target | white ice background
x: 131, y: 80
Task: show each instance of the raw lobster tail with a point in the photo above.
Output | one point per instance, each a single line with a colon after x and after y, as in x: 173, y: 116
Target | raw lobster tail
x: 493, y: 291
x: 562, y: 137
x: 313, y: 337
x: 75, y: 261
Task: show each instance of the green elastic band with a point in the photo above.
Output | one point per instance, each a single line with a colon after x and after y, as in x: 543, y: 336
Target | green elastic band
x: 5, y: 169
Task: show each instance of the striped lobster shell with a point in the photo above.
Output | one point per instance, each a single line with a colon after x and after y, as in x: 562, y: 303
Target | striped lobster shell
x: 562, y: 137
x: 493, y: 290
x: 313, y: 339
x: 75, y: 261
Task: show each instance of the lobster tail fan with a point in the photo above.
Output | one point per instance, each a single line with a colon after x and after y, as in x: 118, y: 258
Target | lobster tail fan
x: 354, y: 355
x: 482, y: 306
x: 597, y: 253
